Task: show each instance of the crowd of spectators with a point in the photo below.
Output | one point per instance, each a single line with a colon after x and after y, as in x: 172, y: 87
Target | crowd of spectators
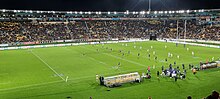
x: 91, y: 29
x: 193, y: 31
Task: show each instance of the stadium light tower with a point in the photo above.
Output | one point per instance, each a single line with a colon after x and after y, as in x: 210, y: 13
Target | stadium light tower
x: 185, y: 31
x: 177, y: 30
x: 149, y: 9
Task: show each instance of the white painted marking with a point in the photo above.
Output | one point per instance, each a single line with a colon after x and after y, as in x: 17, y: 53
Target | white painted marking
x: 47, y: 65
x: 59, y: 81
x: 133, y: 62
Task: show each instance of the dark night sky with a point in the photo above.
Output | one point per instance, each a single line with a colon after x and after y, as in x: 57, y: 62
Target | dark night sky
x: 108, y: 5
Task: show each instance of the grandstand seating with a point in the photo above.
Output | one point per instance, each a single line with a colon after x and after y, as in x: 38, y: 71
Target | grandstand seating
x: 32, y: 31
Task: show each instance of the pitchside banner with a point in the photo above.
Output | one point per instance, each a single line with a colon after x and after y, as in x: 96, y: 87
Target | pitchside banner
x: 195, y: 44
x: 27, y: 43
x: 3, y: 45
x: 75, y: 44
x: 69, y: 44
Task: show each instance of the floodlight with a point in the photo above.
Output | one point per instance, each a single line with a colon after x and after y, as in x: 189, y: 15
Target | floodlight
x: 142, y: 12
x: 165, y: 12
x: 187, y: 11
x: 127, y: 12
x: 202, y: 10
x: 181, y: 11
x: 133, y: 12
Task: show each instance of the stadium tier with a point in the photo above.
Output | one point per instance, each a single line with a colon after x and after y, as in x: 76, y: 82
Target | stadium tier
x: 37, y: 26
x: 88, y: 55
x: 38, y: 32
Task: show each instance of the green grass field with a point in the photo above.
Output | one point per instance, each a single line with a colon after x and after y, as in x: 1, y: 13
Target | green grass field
x: 41, y: 73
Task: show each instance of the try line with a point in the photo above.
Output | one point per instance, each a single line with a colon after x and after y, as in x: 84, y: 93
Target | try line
x: 47, y: 65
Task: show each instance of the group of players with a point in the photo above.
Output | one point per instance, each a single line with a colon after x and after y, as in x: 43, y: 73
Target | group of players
x: 169, y: 72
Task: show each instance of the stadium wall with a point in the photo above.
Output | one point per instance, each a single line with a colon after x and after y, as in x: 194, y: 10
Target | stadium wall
x: 181, y: 41
x: 201, y: 41
x: 71, y: 44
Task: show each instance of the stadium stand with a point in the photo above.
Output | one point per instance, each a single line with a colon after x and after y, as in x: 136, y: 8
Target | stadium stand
x: 29, y: 31
x: 47, y: 27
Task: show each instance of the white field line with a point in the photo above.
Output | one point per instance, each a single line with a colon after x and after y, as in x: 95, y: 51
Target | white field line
x: 47, y: 65
x: 91, y: 58
x: 165, y: 55
x: 176, y: 54
x: 146, y: 57
x: 59, y: 81
x: 101, y: 62
x: 32, y: 85
x: 133, y: 62
x: 97, y: 60
x: 135, y: 55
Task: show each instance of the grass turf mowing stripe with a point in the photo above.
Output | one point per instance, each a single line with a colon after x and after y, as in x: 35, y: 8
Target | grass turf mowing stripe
x: 91, y: 58
x: 32, y: 85
x: 133, y: 62
x: 59, y: 81
x: 47, y: 65
x: 80, y: 69
x: 118, y: 57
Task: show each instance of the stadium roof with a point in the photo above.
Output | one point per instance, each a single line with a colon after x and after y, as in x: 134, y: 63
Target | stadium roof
x: 21, y: 15
x: 108, y: 5
x: 113, y: 12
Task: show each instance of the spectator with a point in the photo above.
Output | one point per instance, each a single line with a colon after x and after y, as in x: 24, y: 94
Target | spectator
x: 189, y: 97
x: 214, y: 95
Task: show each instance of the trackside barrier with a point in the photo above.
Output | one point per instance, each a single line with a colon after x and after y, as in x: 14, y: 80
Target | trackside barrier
x: 70, y: 44
x: 194, y: 44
